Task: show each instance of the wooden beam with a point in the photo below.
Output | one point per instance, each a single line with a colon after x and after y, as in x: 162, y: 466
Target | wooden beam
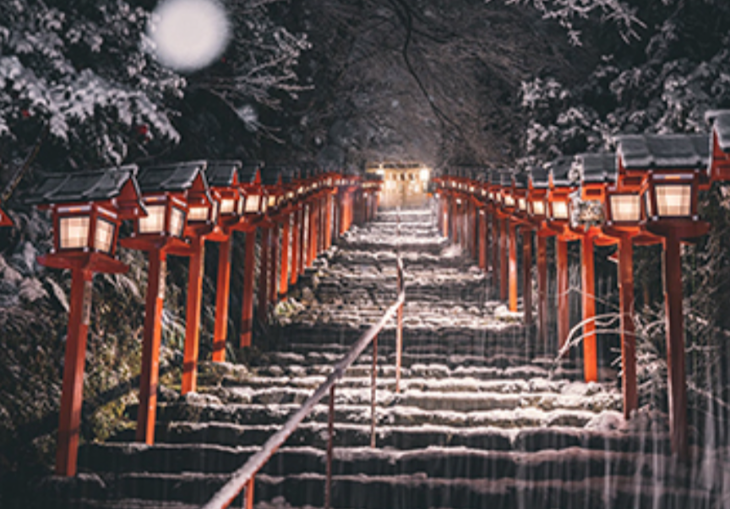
x: 588, y: 293
x: 296, y: 233
x: 561, y: 259
x: 249, y: 273
x: 192, y: 316
x: 527, y: 275
x: 265, y: 253
x: 273, y: 264
x: 72, y: 393
x: 513, y: 266
x: 628, y: 337
x: 223, y: 290
x: 504, y: 260
x: 675, y: 347
x: 284, y: 265
x: 542, y: 289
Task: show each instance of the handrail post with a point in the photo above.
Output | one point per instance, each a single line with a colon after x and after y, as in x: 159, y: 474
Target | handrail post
x: 331, y: 433
x: 373, y: 389
x: 249, y: 492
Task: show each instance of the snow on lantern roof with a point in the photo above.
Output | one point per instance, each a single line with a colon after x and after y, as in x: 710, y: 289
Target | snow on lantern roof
x: 222, y: 173
x: 250, y: 172
x: 521, y: 180
x: 98, y: 185
x: 560, y: 171
x: 720, y: 120
x: 176, y: 177
x: 272, y: 176
x: 539, y: 176
x: 663, y: 151
x: 596, y: 168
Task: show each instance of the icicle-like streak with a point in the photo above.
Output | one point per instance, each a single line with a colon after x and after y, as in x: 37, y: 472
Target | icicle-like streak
x: 240, y: 479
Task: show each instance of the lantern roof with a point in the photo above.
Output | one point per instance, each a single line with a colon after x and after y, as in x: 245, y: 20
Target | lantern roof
x: 375, y: 177
x: 250, y: 172
x: 501, y: 177
x: 560, y: 172
x: 174, y: 178
x: 222, y: 173
x: 272, y: 176
x: 539, y: 176
x: 99, y: 185
x: 596, y: 168
x: 720, y: 120
x: 521, y: 180
x: 663, y: 151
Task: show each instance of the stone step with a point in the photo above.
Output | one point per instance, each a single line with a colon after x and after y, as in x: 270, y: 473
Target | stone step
x: 414, y: 490
x: 574, y: 463
x: 457, y: 401
x: 360, y: 414
x: 419, y: 370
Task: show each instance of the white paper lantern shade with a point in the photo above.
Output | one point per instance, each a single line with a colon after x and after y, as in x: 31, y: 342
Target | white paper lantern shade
x: 74, y: 232
x: 625, y: 207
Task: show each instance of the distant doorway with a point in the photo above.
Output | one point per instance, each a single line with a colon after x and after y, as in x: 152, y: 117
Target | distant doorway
x: 404, y: 184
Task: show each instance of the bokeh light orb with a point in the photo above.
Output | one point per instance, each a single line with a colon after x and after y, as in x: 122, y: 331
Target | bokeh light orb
x: 188, y: 34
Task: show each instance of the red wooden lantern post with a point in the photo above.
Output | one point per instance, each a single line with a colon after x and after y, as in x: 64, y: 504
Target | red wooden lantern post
x: 254, y: 208
x: 537, y: 190
x: 586, y: 212
x: 676, y: 167
x: 623, y: 222
x: 521, y: 192
x: 561, y: 186
x: 168, y: 192
x: 87, y: 210
x: 482, y: 206
x: 203, y: 212
x: 508, y: 240
x: 222, y: 178
x: 274, y: 195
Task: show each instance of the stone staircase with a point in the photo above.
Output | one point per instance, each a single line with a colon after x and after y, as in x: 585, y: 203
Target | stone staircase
x: 484, y: 418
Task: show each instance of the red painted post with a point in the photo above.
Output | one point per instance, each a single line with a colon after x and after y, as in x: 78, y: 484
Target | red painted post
x: 284, y: 270
x: 542, y: 289
x: 444, y: 216
x: 328, y: 222
x: 73, y: 372
x: 249, y: 493
x: 503, y: 259
x: 628, y: 338
x: 192, y: 316
x: 223, y: 289
x: 675, y: 346
x: 265, y: 252
x: 475, y: 230
x: 453, y: 217
x: 561, y: 256
x: 496, y: 248
x: 590, y: 357
x: 303, y: 238
x: 273, y: 263
x: 513, y: 266
x: 271, y: 292
x: 150, y: 369
x: 312, y: 247
x: 527, y: 275
x: 482, y: 240
x: 296, y: 236
x: 249, y: 273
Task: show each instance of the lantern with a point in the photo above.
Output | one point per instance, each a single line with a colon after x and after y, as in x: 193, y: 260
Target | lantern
x: 87, y: 209
x: 222, y: 178
x: 249, y: 178
x: 676, y: 170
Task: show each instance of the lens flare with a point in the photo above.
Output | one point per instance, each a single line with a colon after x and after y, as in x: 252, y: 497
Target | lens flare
x: 188, y: 35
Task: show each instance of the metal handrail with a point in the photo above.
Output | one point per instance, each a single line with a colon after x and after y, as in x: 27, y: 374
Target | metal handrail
x: 243, y: 478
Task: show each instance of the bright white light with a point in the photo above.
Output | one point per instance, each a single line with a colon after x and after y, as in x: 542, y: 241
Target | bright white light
x: 188, y: 34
